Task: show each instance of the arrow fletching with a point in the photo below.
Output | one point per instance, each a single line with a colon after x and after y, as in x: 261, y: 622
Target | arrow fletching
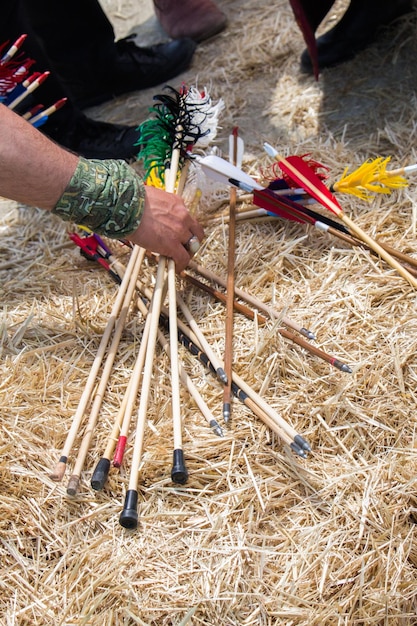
x: 205, y: 115
x: 303, y: 176
x: 180, y: 120
x: 370, y: 178
x: 222, y: 171
x: 280, y: 206
x: 234, y: 139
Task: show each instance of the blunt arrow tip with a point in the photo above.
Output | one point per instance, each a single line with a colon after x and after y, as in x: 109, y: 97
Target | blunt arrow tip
x: 270, y: 150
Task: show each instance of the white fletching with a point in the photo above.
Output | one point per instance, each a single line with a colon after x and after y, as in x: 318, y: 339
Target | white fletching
x: 205, y: 114
x: 239, y: 149
x: 221, y: 170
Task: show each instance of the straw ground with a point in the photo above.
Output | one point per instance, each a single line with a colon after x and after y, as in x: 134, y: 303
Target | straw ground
x: 258, y: 536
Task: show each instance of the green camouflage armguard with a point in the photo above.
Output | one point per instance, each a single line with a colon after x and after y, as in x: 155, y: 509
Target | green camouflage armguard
x: 106, y: 196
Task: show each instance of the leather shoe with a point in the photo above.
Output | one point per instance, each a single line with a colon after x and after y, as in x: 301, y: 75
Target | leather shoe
x: 197, y: 19
x: 134, y: 68
x: 95, y: 139
x: 357, y: 29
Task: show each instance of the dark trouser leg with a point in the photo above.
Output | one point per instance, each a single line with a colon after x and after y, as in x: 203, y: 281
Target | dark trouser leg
x: 68, y: 126
x: 14, y: 23
x: 308, y: 15
x: 78, y: 48
x: 76, y: 36
x: 314, y: 10
x: 94, y: 68
x: 72, y: 31
x: 356, y: 30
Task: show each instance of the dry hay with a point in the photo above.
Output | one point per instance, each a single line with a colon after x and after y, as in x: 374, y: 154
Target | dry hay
x: 258, y: 535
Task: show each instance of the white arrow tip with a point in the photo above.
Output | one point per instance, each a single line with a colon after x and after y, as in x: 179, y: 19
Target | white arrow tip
x: 270, y: 149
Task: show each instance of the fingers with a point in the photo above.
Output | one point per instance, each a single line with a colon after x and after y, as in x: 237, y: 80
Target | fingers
x: 196, y: 236
x: 197, y: 230
x: 190, y: 242
x: 168, y: 228
x: 181, y: 260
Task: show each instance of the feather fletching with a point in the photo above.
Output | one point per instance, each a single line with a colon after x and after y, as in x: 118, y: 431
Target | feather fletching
x: 272, y: 171
x: 371, y: 177
x: 181, y: 119
x: 303, y: 175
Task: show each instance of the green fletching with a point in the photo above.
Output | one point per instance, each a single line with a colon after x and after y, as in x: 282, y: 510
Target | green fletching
x: 156, y: 146
x: 157, y: 137
x: 177, y: 124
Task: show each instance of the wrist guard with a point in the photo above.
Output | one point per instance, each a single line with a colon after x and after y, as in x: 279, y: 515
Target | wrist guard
x: 106, y: 196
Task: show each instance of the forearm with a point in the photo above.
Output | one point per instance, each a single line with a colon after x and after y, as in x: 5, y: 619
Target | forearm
x: 33, y: 169
x: 106, y: 196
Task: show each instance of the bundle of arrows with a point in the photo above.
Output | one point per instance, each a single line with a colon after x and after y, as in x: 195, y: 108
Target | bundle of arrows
x: 184, y: 119
x: 134, y: 291
x: 181, y: 122
x: 17, y: 83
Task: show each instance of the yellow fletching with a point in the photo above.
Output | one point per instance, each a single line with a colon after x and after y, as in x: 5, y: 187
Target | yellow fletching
x: 153, y: 179
x: 371, y: 177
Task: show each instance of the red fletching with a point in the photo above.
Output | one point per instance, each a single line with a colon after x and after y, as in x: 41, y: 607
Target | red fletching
x: 273, y: 171
x: 281, y: 206
x: 13, y: 73
x: 304, y: 176
x: 14, y: 68
x: 88, y: 246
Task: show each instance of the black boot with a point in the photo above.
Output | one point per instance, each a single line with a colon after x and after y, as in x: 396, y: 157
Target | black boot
x: 357, y: 29
x: 79, y: 42
x: 132, y: 68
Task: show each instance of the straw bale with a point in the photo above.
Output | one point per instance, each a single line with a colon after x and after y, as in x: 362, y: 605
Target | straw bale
x: 258, y: 535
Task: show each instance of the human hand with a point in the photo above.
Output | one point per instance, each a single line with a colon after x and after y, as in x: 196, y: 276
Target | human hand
x: 166, y: 227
